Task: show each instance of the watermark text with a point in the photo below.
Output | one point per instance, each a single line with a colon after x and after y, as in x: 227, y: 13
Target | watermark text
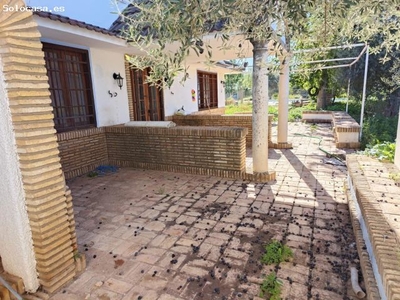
x: 12, y: 8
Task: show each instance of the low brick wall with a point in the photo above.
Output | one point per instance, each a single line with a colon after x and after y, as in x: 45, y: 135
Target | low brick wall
x: 243, y: 120
x: 82, y: 151
x: 217, y: 151
x: 373, y: 199
x: 312, y: 116
x: 346, y: 130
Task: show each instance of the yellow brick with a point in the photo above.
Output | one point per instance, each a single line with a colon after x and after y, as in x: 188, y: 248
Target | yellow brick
x: 27, y: 34
x: 21, y: 85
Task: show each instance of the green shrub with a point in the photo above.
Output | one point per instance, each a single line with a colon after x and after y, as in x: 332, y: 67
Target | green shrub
x: 383, y: 151
x: 276, y: 253
x: 271, y: 287
x: 376, y: 128
x: 379, y: 129
x: 354, y: 109
x: 273, y: 110
x: 295, y: 113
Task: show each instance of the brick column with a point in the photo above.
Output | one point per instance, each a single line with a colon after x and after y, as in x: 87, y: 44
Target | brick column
x: 128, y: 81
x: 49, y: 212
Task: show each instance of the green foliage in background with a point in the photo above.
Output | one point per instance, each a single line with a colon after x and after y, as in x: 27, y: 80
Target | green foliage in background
x: 295, y: 113
x: 376, y: 128
x: 382, y: 151
x: 246, y: 108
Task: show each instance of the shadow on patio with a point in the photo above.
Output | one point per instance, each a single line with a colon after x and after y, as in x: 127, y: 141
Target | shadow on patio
x: 158, y: 235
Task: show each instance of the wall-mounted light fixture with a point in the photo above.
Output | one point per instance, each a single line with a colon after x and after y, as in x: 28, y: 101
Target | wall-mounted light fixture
x: 223, y: 83
x: 119, y: 79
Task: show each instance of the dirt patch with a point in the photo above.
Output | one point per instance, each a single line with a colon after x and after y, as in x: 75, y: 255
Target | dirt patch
x: 118, y: 263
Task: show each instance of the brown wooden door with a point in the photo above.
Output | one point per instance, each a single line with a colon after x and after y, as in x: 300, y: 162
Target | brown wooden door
x: 207, y: 90
x: 147, y: 100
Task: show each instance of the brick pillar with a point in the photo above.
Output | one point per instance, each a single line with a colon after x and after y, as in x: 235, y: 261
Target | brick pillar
x: 49, y: 212
x: 128, y: 81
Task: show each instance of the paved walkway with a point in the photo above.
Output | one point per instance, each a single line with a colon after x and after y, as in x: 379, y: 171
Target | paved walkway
x: 158, y: 235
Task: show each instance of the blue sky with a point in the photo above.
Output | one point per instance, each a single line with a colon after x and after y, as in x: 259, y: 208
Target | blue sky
x: 96, y: 12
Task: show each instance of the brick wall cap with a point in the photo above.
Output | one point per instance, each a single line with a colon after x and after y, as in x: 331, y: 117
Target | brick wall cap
x: 219, y: 131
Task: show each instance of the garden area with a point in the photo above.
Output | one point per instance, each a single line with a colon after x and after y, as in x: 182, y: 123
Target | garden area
x: 379, y: 132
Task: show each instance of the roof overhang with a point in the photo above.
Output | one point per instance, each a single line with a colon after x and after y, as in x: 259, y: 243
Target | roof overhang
x: 52, y: 30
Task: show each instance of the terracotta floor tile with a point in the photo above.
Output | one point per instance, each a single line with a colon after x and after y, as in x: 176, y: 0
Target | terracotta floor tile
x: 215, y: 229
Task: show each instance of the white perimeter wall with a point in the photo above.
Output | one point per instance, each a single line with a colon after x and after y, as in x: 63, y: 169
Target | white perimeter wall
x: 180, y: 95
x: 115, y: 110
x: 16, y: 245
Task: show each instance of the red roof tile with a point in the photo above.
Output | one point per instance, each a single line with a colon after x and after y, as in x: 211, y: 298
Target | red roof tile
x: 73, y: 22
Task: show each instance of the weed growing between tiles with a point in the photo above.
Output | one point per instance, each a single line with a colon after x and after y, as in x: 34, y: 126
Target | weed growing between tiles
x: 271, y: 287
x: 276, y: 253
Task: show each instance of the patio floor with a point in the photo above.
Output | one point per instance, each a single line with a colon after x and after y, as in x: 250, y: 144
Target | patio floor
x: 158, y: 235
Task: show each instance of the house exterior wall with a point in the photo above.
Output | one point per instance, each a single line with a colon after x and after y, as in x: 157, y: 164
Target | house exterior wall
x: 16, y: 247
x: 103, y: 64
x: 181, y: 95
x: 109, y: 110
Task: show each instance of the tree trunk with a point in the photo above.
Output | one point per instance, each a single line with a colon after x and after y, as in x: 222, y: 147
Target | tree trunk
x: 393, y: 104
x: 260, y: 107
x: 322, y: 102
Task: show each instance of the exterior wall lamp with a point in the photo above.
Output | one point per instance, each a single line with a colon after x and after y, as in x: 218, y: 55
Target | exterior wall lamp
x: 119, y: 79
x: 223, y: 83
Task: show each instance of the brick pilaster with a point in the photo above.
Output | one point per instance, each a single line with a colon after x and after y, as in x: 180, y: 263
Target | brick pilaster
x: 36, y: 142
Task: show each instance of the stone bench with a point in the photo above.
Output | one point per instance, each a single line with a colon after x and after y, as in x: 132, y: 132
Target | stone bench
x: 346, y: 129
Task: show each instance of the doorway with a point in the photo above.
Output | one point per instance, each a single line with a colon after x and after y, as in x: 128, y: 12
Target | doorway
x: 148, y: 102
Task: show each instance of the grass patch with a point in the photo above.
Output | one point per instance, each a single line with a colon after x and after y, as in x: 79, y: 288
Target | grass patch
x: 241, y: 108
x: 271, y: 287
x: 275, y: 253
x: 248, y: 108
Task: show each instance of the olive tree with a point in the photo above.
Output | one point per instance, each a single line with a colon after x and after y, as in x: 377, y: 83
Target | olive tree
x: 168, y: 31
